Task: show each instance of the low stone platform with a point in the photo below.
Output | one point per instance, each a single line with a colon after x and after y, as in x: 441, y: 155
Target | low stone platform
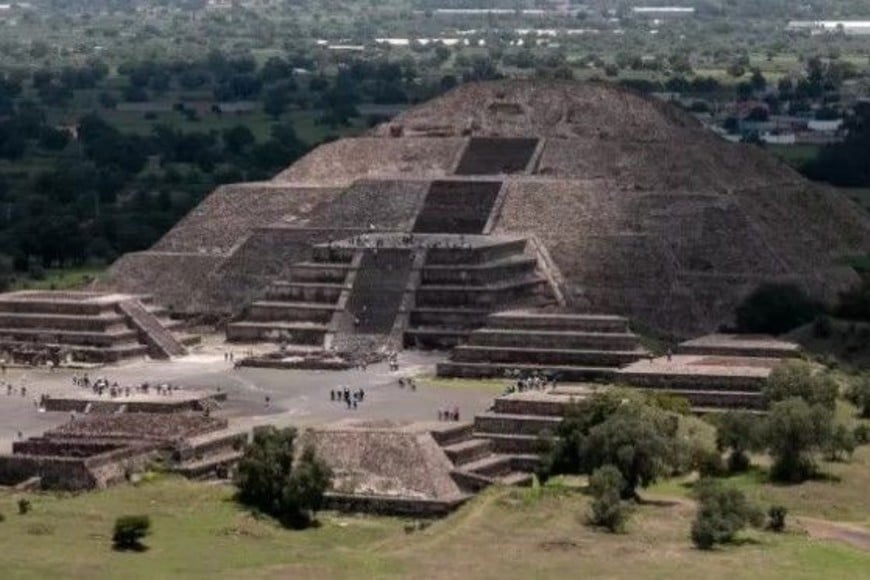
x: 99, y: 450
x: 59, y: 327
x: 709, y: 382
x: 571, y: 346
x: 137, y: 402
x: 740, y: 345
x: 416, y: 469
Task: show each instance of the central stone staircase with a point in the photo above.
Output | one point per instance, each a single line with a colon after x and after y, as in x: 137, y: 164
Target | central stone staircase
x: 462, y: 283
x: 298, y: 312
x: 571, y: 347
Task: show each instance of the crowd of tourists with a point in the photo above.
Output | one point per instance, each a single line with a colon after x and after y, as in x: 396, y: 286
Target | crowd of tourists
x: 531, y: 382
x: 351, y: 399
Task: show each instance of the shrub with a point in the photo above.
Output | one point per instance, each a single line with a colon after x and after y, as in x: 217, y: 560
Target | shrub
x: 858, y: 394
x: 861, y: 433
x: 841, y: 444
x: 709, y: 463
x: 799, y: 379
x: 24, y: 506
x: 776, y: 518
x: 823, y: 327
x: 130, y: 531
x: 607, y: 510
x: 270, y: 480
x: 722, y: 512
x: 776, y: 308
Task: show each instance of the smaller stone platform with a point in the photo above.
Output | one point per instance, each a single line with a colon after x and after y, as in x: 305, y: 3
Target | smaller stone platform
x: 402, y: 468
x: 708, y: 382
x: 60, y: 327
x: 100, y: 450
x: 571, y: 346
x: 136, y: 402
x: 740, y: 345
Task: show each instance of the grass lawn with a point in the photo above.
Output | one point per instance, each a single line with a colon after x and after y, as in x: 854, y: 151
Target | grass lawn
x: 839, y: 496
x: 60, y: 279
x: 198, y: 532
x: 496, y: 386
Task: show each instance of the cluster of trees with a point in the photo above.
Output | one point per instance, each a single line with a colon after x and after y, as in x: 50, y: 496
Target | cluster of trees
x: 107, y: 192
x: 800, y: 426
x: 272, y: 478
x: 846, y: 164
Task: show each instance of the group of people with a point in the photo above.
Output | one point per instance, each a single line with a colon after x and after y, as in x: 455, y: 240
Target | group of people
x: 533, y: 382
x: 407, y: 240
x: 350, y: 398
x: 410, y: 382
x: 102, y: 386
x: 448, y: 413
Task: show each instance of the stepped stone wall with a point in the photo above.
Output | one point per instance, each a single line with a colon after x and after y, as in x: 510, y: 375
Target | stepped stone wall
x: 340, y: 163
x: 386, y: 205
x: 227, y: 216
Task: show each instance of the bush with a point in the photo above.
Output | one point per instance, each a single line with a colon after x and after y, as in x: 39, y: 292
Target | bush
x: 775, y: 309
x: 823, y: 327
x: 130, y: 531
x: 607, y: 510
x: 799, y: 379
x: 861, y: 433
x: 270, y: 480
x: 722, y: 512
x: 24, y: 506
x: 841, y: 444
x: 709, y: 463
x: 858, y: 394
x: 776, y: 518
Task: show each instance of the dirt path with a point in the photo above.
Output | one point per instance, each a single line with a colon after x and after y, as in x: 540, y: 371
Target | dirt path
x: 850, y: 534
x: 819, y: 529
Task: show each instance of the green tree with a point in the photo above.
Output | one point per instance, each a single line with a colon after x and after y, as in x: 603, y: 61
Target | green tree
x: 799, y: 379
x: 271, y: 480
x: 793, y: 432
x: 739, y: 433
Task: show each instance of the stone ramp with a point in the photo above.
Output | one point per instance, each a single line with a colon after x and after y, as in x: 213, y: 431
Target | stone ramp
x: 457, y: 207
x: 378, y: 290
x: 496, y: 155
x: 161, y: 342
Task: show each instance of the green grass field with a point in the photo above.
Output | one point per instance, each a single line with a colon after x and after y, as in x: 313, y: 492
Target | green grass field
x: 199, y: 532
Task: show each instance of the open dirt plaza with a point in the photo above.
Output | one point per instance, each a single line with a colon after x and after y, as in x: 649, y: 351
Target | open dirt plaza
x: 296, y: 397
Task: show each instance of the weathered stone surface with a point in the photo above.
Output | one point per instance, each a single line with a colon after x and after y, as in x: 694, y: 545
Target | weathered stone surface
x: 644, y: 212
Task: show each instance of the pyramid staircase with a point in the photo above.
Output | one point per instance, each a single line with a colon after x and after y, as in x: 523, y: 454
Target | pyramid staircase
x: 572, y: 347
x: 460, y: 286
x: 299, y: 312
